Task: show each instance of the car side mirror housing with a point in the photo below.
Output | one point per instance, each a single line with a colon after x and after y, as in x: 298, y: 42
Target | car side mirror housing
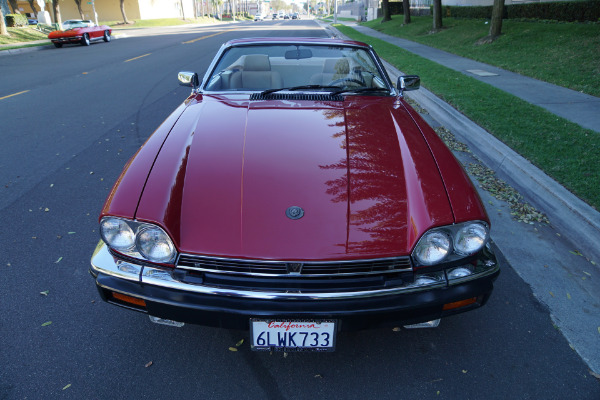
x: 409, y: 82
x: 189, y: 79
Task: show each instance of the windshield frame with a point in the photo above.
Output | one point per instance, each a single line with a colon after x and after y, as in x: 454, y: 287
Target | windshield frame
x: 313, y: 42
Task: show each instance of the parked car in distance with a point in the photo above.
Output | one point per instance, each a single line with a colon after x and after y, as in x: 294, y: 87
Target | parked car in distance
x: 80, y: 35
x: 295, y: 16
x: 274, y: 16
x: 295, y: 194
x: 32, y: 21
x: 286, y: 16
x: 258, y: 17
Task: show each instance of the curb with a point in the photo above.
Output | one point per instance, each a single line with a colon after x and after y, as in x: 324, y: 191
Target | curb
x: 21, y: 50
x: 578, y: 222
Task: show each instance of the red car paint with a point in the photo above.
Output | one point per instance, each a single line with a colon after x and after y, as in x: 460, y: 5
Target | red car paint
x: 371, y: 176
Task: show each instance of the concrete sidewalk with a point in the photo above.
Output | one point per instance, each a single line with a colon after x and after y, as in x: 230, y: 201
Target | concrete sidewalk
x: 576, y: 107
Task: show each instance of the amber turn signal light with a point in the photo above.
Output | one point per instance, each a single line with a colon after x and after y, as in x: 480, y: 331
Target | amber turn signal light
x: 459, y: 304
x: 129, y: 299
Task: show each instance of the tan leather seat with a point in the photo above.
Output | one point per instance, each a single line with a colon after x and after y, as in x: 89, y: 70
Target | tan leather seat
x: 333, y: 69
x: 256, y: 74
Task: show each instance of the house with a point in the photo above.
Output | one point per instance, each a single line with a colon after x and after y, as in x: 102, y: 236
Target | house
x: 110, y: 10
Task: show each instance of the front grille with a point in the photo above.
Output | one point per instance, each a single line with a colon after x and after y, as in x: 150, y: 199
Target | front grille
x: 295, y: 269
x: 296, y: 96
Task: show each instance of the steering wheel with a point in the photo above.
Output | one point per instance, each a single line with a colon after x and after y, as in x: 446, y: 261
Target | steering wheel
x: 345, y: 81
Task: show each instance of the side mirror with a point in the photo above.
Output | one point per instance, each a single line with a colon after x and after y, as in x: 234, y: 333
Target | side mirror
x: 409, y: 82
x: 189, y: 79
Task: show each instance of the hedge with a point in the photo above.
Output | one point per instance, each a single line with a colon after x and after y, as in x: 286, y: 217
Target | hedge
x: 13, y: 20
x: 571, y: 11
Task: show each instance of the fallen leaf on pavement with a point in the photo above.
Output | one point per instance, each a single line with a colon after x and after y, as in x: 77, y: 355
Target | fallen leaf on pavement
x: 238, y: 344
x: 232, y: 349
x: 66, y: 387
x: 46, y: 323
x: 148, y: 364
x: 57, y: 261
x: 45, y: 292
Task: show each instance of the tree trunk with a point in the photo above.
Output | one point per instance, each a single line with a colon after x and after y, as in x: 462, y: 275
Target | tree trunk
x: 56, y: 11
x: 78, y: 2
x: 385, y: 8
x: 123, y: 12
x: 182, y: 10
x: 496, y: 24
x: 437, y: 15
x: 32, y: 5
x: 14, y: 6
x: 3, y: 29
x: 406, y: 9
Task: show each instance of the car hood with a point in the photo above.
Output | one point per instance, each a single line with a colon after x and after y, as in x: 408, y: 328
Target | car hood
x: 361, y: 170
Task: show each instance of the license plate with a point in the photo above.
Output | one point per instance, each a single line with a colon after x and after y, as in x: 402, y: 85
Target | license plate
x: 292, y: 335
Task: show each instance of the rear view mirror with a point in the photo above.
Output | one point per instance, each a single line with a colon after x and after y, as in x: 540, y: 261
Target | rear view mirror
x: 298, y: 54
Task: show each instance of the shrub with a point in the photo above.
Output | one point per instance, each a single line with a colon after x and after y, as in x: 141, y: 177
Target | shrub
x: 15, y: 20
x: 557, y: 11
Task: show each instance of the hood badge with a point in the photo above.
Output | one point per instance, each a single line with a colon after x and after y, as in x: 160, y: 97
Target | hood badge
x: 294, y: 212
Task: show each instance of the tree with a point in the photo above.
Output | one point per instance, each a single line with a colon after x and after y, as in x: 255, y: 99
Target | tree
x: 125, y: 21
x: 14, y: 6
x: 32, y: 5
x: 496, y: 23
x: 406, y: 9
x: 437, y: 15
x: 56, y: 12
x: 78, y: 2
x: 385, y: 7
x: 3, y: 29
x: 182, y: 10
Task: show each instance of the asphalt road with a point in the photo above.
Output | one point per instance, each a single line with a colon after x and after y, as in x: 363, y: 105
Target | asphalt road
x: 83, y: 112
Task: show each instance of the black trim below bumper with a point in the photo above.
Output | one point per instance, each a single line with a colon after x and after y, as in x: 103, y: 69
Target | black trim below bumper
x: 352, y: 314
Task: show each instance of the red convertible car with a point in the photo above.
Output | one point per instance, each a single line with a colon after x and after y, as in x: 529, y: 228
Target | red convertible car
x: 82, y: 34
x: 295, y: 194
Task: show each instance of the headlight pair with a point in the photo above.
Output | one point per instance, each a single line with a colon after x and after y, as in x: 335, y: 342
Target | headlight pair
x: 138, y: 239
x: 458, y: 240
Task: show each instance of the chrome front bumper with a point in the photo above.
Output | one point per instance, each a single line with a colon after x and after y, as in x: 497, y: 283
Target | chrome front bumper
x: 103, y: 262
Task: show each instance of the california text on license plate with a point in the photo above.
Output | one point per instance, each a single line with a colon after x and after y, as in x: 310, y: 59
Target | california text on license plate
x: 292, y: 335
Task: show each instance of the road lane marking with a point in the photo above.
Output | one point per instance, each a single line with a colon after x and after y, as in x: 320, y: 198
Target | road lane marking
x: 135, y: 58
x: 14, y: 94
x: 209, y: 36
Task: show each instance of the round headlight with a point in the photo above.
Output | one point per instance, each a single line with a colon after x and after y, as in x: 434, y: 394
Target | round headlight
x: 432, y: 248
x: 155, y: 245
x: 470, y: 238
x: 117, y: 234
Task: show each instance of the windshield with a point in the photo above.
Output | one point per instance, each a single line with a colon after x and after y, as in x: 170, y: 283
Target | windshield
x: 312, y: 67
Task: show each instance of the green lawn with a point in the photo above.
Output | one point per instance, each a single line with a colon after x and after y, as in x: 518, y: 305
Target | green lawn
x: 25, y: 34
x: 566, y: 54
x: 559, y: 147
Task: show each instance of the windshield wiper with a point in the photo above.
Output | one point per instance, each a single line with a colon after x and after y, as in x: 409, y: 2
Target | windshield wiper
x: 268, y: 91
x: 360, y: 90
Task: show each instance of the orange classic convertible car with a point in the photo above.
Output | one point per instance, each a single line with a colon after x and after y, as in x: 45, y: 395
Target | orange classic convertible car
x: 80, y: 33
x: 295, y: 194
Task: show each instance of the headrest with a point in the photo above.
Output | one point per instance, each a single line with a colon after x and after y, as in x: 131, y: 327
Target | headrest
x: 257, y: 62
x: 336, y: 66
